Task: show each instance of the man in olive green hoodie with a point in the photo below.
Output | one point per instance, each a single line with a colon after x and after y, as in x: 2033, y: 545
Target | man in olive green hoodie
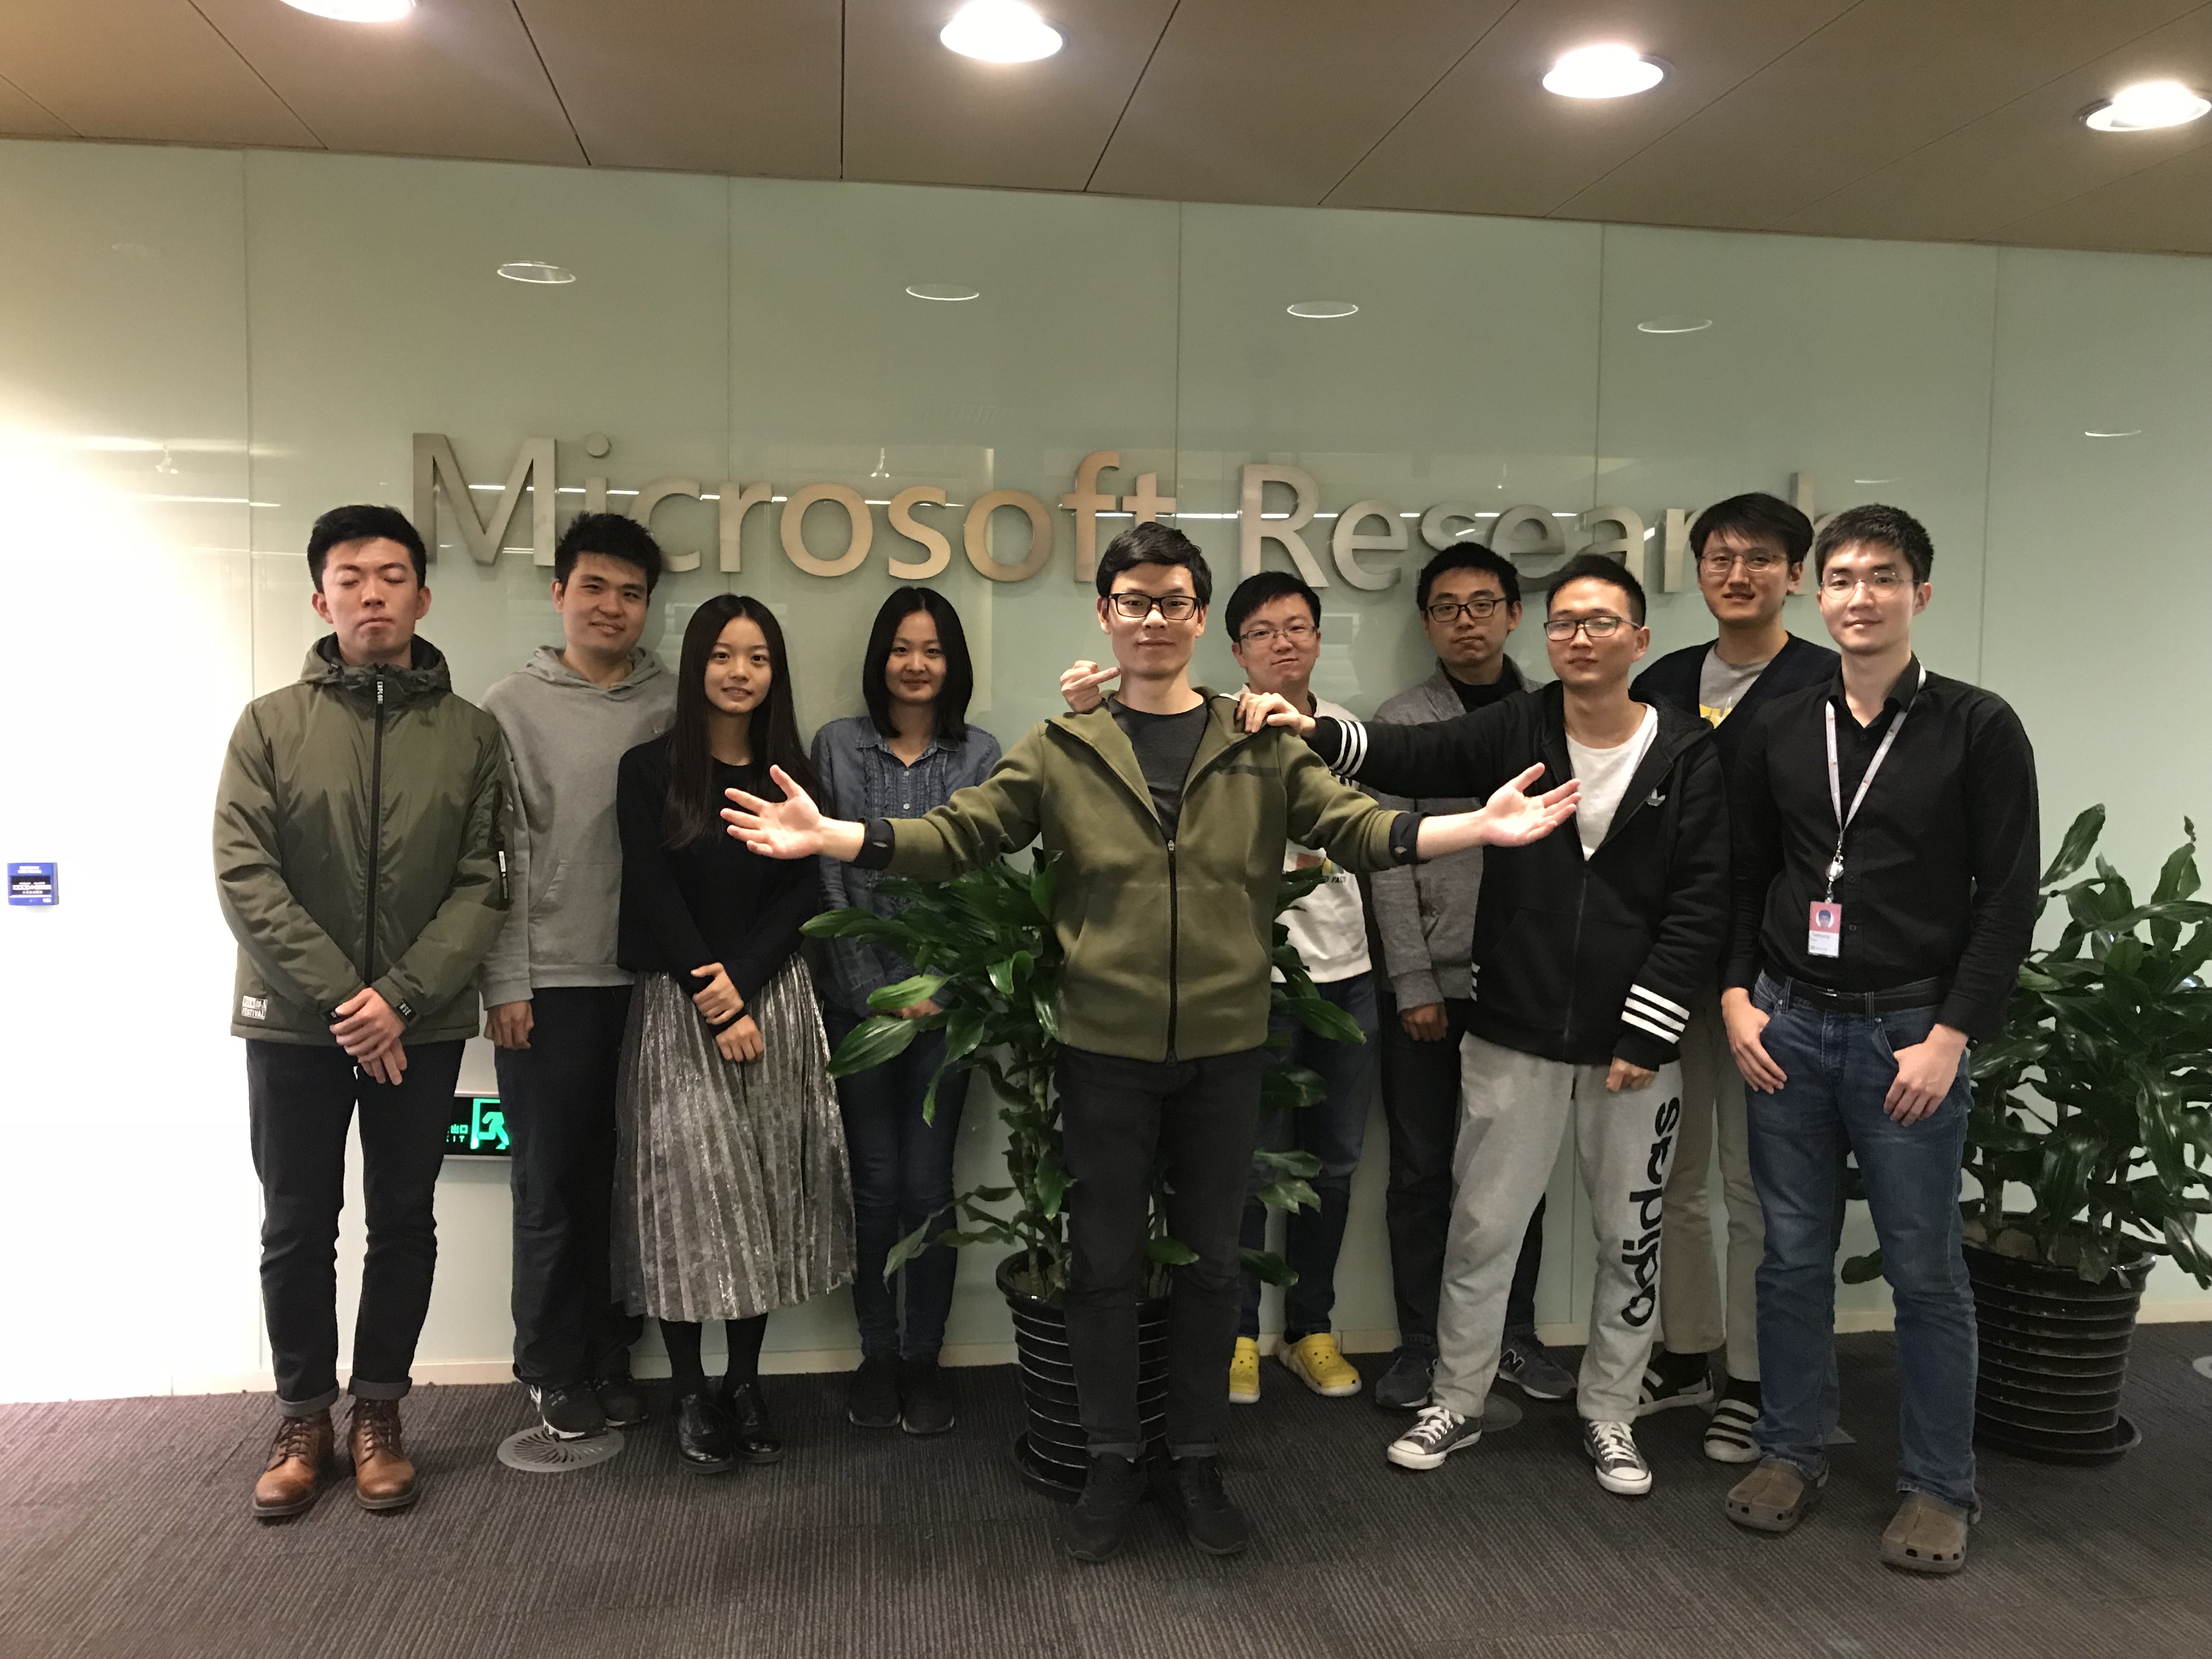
x: 360, y: 861
x: 1170, y: 824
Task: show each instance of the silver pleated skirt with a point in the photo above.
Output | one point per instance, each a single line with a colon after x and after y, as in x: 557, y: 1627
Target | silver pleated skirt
x: 732, y: 1191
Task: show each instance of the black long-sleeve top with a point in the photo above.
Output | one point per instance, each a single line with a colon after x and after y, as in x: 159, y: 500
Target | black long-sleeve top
x: 715, y: 900
x: 1940, y: 865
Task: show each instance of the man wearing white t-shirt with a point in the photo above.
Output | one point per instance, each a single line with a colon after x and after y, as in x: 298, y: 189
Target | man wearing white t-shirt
x: 1585, y: 963
x: 1274, y: 631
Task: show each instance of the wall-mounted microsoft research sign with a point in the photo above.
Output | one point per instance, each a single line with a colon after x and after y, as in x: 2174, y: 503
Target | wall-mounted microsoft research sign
x: 1361, y: 541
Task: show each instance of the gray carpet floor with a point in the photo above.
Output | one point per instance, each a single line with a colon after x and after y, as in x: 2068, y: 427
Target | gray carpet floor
x: 123, y: 1531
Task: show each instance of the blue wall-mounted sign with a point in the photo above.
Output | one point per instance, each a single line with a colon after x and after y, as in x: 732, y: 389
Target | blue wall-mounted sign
x: 34, y: 884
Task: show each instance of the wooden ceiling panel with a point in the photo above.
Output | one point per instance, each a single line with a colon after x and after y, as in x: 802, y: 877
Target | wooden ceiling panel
x: 2166, y: 209
x: 1490, y: 139
x: 916, y: 114
x: 150, y: 69
x: 1275, y: 101
x: 1886, y: 78
x: 454, y: 78
x: 701, y: 85
x: 22, y: 116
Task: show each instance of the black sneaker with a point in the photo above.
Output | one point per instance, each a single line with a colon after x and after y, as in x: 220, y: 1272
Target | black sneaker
x: 1100, y: 1518
x: 1531, y: 1367
x: 1672, y: 1380
x: 1405, y: 1386
x: 620, y: 1400
x: 926, y: 1404
x: 754, y: 1441
x: 1191, y: 1488
x: 570, y: 1411
x: 871, y: 1398
x: 702, y: 1435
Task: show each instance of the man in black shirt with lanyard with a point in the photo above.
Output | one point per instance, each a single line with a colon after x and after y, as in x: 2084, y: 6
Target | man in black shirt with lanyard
x: 1886, y: 852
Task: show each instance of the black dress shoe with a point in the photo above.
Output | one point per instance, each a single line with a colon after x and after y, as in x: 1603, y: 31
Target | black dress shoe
x: 1100, y: 1519
x: 751, y: 1436
x: 703, y: 1439
x: 1191, y: 1488
x: 926, y: 1407
x: 620, y: 1400
x: 871, y: 1398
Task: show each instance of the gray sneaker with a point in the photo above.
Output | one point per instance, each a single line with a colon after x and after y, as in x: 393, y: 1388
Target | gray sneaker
x: 1529, y: 1366
x: 1405, y: 1386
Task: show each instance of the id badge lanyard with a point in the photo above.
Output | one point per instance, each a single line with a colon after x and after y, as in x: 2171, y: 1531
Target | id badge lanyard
x: 1836, y: 787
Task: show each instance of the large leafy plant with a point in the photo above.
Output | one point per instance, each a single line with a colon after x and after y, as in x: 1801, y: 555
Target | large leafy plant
x: 987, y: 951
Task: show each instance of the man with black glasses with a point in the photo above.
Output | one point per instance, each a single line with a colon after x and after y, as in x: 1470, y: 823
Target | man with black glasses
x: 1751, y: 554
x: 1884, y: 886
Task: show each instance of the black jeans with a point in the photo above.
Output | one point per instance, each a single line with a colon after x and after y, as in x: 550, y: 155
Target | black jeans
x: 1194, y: 1122
x: 301, y: 1098
x: 559, y: 1097
x: 1421, y: 1105
x: 902, y: 1177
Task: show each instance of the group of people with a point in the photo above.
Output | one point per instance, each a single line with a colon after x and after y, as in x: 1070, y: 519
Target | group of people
x: 1576, y: 903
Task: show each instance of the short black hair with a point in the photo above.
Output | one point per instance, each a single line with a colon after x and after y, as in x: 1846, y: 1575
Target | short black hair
x: 1598, y: 567
x: 1264, y: 588
x: 1468, y: 556
x: 1885, y: 527
x: 612, y: 536
x: 1154, y: 544
x: 364, y: 521
x: 951, y: 710
x: 1758, y: 514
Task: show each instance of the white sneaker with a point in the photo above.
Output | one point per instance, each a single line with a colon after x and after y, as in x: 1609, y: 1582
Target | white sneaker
x: 1436, y: 1433
x: 1728, y: 1435
x: 1620, y: 1466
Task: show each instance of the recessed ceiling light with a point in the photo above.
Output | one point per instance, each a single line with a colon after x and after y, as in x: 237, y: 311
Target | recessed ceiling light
x: 356, y: 11
x: 535, y: 270
x: 1875, y: 481
x: 1323, y: 308
x: 2132, y: 432
x: 1001, y: 32
x: 1604, y: 72
x: 951, y: 293
x: 1674, y: 322
x: 2145, y: 105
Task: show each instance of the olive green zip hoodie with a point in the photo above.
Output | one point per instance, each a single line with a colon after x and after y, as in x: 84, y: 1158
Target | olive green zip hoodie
x: 359, y: 840
x: 1167, y: 942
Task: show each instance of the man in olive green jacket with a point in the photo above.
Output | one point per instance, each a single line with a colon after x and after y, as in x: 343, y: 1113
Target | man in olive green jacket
x: 1170, y: 823
x: 359, y: 860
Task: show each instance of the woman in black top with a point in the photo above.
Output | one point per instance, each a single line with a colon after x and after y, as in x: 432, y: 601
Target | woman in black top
x: 732, y: 1195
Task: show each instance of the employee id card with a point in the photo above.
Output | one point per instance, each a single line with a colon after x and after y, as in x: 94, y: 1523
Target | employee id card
x: 1824, y: 935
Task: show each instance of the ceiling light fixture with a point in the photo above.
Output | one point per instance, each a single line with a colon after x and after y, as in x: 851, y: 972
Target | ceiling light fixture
x: 1604, y: 72
x: 535, y: 270
x: 356, y: 11
x: 951, y: 293
x: 1323, y: 308
x: 2132, y: 432
x: 1001, y: 32
x: 2146, y: 107
x: 1674, y: 322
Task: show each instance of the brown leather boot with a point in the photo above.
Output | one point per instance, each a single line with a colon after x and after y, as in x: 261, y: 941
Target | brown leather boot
x: 298, y: 1458
x: 383, y: 1478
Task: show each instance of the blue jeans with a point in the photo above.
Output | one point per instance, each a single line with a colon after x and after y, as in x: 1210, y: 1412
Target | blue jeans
x: 902, y: 1177
x: 1839, y: 1067
x: 1331, y: 1129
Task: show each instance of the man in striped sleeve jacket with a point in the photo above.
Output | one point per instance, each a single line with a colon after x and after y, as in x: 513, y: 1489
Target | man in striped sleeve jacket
x: 1589, y: 950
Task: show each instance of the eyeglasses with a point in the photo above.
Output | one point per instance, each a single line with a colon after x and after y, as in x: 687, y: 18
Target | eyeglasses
x: 1757, y: 561
x: 1840, y: 585
x: 1135, y: 607
x: 1600, y: 627
x: 1296, y: 633
x: 1480, y: 607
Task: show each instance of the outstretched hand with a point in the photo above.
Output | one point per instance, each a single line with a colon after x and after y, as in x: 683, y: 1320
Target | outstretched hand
x: 787, y: 828
x: 1510, y: 819
x: 1256, y: 710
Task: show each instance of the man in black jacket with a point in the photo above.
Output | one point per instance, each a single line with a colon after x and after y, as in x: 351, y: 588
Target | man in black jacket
x: 1586, y: 955
x: 1751, y: 556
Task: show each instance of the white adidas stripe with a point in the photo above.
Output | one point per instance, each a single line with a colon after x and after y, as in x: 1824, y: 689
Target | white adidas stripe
x: 1631, y: 1018
x: 1352, y: 749
x: 1660, y: 1002
x: 1644, y: 1005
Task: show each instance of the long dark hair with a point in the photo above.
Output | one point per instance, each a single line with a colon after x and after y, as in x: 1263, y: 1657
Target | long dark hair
x: 951, y: 710
x: 693, y: 810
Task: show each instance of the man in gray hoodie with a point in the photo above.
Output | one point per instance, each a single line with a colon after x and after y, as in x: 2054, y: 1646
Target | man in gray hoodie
x: 555, y: 1003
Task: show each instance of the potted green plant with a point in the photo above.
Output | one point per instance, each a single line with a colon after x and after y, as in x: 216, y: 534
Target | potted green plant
x: 985, y: 944
x: 2096, y: 1103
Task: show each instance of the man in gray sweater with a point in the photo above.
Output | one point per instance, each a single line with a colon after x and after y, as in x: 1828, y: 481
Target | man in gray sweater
x: 1469, y: 602
x: 555, y: 1003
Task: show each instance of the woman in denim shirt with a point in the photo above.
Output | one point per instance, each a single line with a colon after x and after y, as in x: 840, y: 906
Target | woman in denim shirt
x: 908, y: 754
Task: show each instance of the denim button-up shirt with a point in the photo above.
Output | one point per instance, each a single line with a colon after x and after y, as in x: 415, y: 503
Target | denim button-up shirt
x: 861, y: 780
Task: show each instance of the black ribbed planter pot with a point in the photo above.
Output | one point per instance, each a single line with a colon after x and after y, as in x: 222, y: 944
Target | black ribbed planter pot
x: 1050, y: 1449
x: 2054, y: 1357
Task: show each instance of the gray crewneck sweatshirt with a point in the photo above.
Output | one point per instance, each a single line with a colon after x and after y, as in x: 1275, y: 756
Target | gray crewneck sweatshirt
x: 565, y: 738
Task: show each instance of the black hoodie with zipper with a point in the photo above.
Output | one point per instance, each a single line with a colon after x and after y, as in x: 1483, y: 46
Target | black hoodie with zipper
x: 1574, y: 959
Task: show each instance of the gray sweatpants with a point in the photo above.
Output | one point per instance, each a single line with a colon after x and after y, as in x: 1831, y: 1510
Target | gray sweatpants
x: 1514, y: 1110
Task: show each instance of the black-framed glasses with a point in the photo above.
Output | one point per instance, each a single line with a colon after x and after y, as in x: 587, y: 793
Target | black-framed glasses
x: 1758, y: 561
x: 1481, y: 607
x: 1135, y: 607
x: 1296, y: 633
x: 1603, y: 626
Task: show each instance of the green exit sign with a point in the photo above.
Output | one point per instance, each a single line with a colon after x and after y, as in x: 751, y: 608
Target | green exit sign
x: 478, y: 1129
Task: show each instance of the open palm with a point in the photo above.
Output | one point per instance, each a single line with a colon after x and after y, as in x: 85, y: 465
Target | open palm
x: 1512, y: 818
x: 787, y: 828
